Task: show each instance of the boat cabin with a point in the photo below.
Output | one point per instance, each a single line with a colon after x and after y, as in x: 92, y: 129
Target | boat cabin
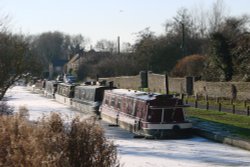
x: 146, y: 106
x: 150, y: 114
x: 89, y: 97
x: 66, y: 90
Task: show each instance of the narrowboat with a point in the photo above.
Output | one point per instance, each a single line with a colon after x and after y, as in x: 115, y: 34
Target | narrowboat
x: 50, y: 88
x: 148, y: 114
x: 65, y: 93
x: 88, y: 98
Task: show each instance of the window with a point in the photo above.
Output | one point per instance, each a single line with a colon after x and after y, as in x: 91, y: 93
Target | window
x: 106, y: 100
x: 113, y: 101
x: 119, y: 103
x: 154, y: 115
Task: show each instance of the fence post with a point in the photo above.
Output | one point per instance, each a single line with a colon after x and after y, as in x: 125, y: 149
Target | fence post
x: 196, y: 103
x: 247, y: 110
x: 189, y: 85
x: 219, y: 106
x: 187, y: 99
x: 182, y: 97
x: 166, y: 84
x: 206, y: 97
x: 233, y: 108
x: 207, y: 107
x: 231, y: 101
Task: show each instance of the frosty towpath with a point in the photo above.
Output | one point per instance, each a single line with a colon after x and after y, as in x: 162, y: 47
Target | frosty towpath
x: 194, y: 152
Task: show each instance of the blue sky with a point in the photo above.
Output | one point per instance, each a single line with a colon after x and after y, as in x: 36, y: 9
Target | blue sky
x: 102, y: 19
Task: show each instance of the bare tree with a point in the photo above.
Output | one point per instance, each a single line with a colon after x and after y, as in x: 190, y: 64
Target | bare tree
x: 106, y: 45
x: 50, y: 46
x: 217, y: 15
x: 77, y: 43
x: 15, y: 60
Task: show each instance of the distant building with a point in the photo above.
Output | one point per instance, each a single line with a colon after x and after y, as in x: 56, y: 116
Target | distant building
x: 75, y: 62
x: 56, y: 67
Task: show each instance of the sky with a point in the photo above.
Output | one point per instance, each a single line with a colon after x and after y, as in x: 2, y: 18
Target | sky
x: 102, y: 19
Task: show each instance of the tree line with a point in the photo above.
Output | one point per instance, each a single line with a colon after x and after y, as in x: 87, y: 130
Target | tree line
x: 211, y: 44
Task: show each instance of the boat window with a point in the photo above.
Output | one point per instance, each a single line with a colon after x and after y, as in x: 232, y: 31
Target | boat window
x: 119, y: 103
x: 130, y: 106
x: 77, y: 94
x: 113, y: 101
x: 140, y: 109
x: 178, y: 115
x: 107, y: 100
x: 168, y: 115
x: 171, y: 115
x: 83, y: 94
x: 154, y: 115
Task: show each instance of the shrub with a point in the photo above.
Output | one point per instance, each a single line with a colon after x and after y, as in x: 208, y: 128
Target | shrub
x: 51, y: 143
x: 189, y: 66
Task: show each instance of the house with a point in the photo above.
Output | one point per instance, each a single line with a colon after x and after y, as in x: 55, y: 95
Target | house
x: 75, y: 62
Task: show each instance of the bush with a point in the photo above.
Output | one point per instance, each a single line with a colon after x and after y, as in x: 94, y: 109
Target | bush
x: 189, y: 66
x: 50, y: 143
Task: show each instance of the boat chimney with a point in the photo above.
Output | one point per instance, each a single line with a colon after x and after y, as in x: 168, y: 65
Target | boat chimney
x: 111, y: 84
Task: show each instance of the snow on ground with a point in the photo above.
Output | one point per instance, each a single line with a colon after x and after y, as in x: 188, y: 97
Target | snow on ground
x: 193, y: 152
x: 39, y: 106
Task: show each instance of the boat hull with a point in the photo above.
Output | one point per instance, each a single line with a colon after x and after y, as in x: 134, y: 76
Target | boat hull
x: 149, y: 130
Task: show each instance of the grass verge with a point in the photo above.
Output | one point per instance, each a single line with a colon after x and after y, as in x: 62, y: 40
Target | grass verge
x: 236, y: 125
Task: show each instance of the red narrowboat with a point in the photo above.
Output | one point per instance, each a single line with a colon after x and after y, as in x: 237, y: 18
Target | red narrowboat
x: 148, y: 114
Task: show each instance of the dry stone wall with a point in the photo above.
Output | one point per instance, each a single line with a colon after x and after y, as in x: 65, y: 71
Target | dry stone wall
x: 177, y: 85
x: 157, y: 83
x: 126, y: 82
x: 241, y: 90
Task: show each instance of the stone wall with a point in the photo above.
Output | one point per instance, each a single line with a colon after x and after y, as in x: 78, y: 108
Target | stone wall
x: 223, y: 89
x: 156, y: 82
x: 177, y: 85
x: 126, y: 82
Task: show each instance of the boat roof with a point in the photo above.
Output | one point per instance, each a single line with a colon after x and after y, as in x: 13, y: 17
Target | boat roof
x: 92, y: 86
x: 135, y: 94
x: 66, y: 84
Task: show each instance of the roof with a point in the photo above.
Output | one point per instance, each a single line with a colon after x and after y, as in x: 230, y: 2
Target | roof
x: 59, y: 62
x: 91, y: 86
x: 74, y: 58
x: 135, y: 94
x: 66, y: 84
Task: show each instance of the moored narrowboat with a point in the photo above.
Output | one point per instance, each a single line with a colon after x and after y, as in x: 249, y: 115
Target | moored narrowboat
x: 88, y: 98
x: 148, y: 114
x: 65, y: 93
x: 50, y: 88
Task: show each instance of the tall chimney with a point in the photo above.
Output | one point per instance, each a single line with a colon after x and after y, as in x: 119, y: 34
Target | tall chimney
x: 118, y: 44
